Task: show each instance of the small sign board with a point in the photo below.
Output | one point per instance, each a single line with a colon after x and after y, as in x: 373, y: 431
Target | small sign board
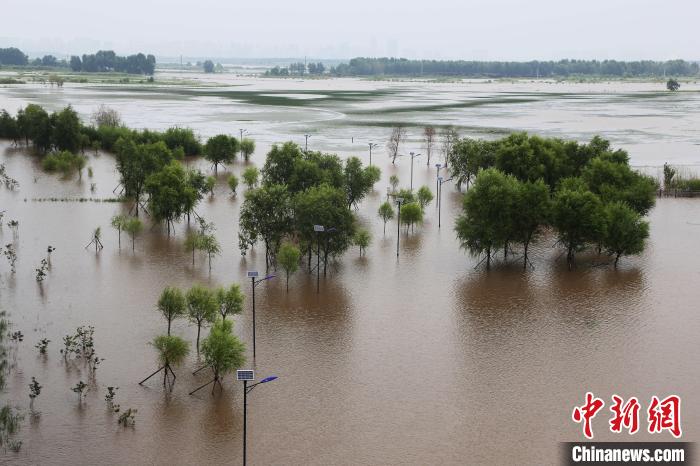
x: 252, y: 273
x: 245, y: 374
x: 318, y: 228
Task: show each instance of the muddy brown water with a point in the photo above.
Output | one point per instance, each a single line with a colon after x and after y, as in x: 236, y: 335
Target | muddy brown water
x: 417, y: 360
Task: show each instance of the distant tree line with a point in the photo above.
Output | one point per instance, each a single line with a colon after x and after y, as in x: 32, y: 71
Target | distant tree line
x: 525, y: 185
x: 496, y: 69
x: 102, y: 61
x: 107, y: 60
x: 297, y: 69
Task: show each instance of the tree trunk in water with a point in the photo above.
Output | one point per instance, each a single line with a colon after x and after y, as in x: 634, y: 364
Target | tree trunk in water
x: 120, y: 237
x: 527, y: 243
x: 169, y: 320
x: 617, y: 258
x: 488, y: 259
x: 287, y: 282
x: 570, y: 256
x: 199, y: 328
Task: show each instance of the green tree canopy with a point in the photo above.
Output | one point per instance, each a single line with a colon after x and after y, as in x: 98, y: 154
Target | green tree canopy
x: 222, y: 350
x: 220, y: 150
x: 172, y: 304
x: 625, y: 231
x: 230, y: 300
x: 170, y: 194
x: 486, y: 222
x: 202, y: 306
x: 578, y: 217
x: 288, y: 258
x: 266, y: 214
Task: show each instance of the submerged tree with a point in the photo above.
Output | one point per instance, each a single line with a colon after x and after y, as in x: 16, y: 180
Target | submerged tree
x: 172, y: 351
x: 118, y: 223
x: 172, y: 304
x: 201, y: 307
x: 398, y: 134
x: 358, y: 180
x: 133, y: 227
x: 247, y: 147
x: 230, y: 301
x: 220, y: 150
x: 288, y: 258
x: 625, y: 230
x: 530, y: 213
x: 429, y: 140
x: 210, y: 245
x: 266, y: 214
x: 672, y: 85
x: 250, y: 177
x: 411, y: 213
x: 222, y: 351
x: 394, y: 182
x: 233, y: 183
x: 485, y: 224
x: 362, y: 239
x: 578, y: 217
x: 425, y: 196
x: 386, y: 213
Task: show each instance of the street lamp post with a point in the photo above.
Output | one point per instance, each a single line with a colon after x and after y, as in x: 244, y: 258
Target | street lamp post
x: 248, y: 375
x: 372, y: 145
x: 437, y: 177
x: 253, y: 275
x: 306, y: 144
x: 240, y: 141
x: 399, y: 200
x: 441, y: 182
x: 413, y: 156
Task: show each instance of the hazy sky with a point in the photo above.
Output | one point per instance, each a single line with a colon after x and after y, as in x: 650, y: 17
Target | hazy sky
x: 468, y: 29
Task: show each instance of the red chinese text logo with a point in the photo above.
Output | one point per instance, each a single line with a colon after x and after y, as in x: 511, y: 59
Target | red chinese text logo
x: 661, y: 415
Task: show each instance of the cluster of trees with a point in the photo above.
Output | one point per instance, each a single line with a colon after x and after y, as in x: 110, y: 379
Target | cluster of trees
x: 209, y: 67
x: 299, y: 190
x: 297, y: 69
x: 63, y: 130
x: 107, y: 60
x: 148, y: 161
x: 495, y: 69
x: 525, y: 185
x: 60, y: 130
x: 222, y: 351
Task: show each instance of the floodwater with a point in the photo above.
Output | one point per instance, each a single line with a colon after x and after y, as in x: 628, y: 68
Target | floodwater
x: 417, y: 360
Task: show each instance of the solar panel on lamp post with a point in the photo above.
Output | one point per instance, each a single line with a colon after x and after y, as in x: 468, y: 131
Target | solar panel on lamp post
x: 253, y: 275
x: 248, y: 375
